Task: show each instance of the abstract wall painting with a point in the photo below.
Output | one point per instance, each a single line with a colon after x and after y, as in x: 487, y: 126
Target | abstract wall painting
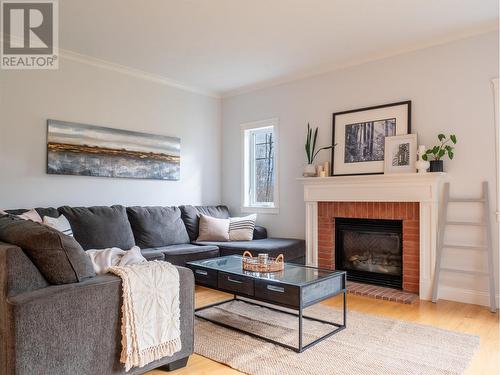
x: 359, y: 135
x: 87, y: 150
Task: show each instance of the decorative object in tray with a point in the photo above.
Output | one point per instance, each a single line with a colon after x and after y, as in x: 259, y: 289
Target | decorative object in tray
x: 262, y: 263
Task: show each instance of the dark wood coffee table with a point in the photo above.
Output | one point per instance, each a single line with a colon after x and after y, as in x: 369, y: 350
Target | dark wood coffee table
x: 296, y: 287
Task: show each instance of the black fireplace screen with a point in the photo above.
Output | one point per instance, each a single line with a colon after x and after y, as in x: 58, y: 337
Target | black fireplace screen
x: 370, y: 250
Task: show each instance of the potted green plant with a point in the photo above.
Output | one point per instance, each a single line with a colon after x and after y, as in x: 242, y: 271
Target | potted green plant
x: 311, y: 152
x: 439, y: 151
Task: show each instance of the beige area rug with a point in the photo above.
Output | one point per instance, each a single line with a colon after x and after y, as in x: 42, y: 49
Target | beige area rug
x: 369, y: 345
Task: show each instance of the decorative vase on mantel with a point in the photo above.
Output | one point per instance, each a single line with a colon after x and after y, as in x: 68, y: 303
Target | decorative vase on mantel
x: 421, y: 164
x: 309, y: 170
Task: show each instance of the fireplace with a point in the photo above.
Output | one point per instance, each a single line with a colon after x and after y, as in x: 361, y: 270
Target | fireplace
x: 370, y: 250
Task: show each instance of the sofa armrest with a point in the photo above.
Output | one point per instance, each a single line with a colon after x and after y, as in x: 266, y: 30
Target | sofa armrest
x: 77, y: 327
x: 18, y: 274
x: 259, y: 233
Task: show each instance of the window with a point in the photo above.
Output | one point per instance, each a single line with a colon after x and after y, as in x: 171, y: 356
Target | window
x: 259, y: 172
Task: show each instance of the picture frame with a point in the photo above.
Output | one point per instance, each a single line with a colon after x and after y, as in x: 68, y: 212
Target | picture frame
x: 359, y: 136
x: 400, y: 154
x: 98, y: 151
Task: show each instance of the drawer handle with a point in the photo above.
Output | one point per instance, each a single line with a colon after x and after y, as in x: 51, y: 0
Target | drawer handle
x: 276, y: 288
x: 234, y: 281
x: 200, y: 272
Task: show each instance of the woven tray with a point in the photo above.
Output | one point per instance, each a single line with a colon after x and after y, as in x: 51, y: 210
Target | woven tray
x: 251, y: 263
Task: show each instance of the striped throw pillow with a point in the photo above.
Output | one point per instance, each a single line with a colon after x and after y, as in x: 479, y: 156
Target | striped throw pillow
x: 60, y: 223
x: 241, y: 228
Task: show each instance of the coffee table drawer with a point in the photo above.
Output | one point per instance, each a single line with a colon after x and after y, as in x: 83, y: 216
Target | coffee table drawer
x: 277, y: 293
x: 235, y: 283
x: 205, y: 277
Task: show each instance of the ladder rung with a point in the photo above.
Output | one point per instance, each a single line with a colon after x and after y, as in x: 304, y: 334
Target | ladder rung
x: 471, y: 223
x: 466, y: 200
x: 480, y: 273
x: 464, y: 247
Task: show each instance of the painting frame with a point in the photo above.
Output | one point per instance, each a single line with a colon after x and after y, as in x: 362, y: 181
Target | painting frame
x: 346, y: 160
x: 97, y: 151
x: 400, y: 154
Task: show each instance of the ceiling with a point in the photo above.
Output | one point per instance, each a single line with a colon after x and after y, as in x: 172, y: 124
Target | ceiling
x: 228, y: 46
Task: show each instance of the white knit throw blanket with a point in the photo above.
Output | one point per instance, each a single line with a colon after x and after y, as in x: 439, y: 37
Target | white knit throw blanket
x: 150, y: 312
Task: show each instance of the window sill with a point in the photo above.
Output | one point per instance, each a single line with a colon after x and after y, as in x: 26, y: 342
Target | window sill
x: 260, y: 210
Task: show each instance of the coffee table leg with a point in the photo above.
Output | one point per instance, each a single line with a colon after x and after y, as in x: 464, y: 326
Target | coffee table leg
x: 344, y: 308
x: 300, y: 329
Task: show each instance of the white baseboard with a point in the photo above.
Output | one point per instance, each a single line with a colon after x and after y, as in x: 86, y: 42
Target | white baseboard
x: 475, y: 297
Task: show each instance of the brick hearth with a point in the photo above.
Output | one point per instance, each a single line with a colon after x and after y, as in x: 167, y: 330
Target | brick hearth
x: 408, y: 212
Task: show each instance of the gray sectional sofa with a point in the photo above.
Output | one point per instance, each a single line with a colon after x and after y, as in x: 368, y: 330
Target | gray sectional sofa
x: 58, y: 317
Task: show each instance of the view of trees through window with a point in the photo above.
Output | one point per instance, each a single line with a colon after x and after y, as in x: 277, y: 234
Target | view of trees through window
x: 263, y: 155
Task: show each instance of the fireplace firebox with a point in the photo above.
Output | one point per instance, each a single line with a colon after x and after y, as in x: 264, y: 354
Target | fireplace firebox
x: 370, y: 250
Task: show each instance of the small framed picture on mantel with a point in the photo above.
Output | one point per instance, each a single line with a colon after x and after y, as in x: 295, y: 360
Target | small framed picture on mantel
x: 359, y: 136
x: 400, y: 154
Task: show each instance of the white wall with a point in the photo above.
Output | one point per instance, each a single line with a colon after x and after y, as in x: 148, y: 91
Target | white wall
x: 450, y: 89
x: 88, y: 94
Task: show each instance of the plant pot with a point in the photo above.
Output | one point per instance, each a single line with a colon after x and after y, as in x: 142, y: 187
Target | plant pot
x: 436, y: 166
x: 309, y: 170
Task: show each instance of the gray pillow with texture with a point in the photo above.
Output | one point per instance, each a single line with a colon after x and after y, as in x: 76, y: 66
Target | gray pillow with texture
x: 60, y: 259
x: 157, y: 226
x: 100, y: 227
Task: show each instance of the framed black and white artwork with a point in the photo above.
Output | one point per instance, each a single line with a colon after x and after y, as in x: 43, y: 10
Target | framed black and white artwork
x: 359, y: 136
x: 400, y: 154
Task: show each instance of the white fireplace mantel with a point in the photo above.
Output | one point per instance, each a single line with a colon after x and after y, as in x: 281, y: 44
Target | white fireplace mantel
x: 409, y: 187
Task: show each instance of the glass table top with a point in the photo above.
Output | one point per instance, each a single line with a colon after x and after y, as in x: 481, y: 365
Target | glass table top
x: 293, y: 274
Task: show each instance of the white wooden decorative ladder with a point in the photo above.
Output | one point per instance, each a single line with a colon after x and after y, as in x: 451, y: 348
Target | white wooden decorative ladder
x: 485, y: 247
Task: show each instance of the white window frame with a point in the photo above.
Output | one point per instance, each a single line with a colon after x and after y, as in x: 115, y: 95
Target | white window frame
x: 246, y: 206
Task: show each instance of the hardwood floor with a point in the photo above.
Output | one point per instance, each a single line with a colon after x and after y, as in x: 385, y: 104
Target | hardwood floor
x: 454, y: 316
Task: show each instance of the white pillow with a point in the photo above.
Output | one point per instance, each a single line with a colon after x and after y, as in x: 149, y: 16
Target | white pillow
x: 59, y: 223
x: 31, y: 215
x: 213, y: 229
x: 241, y: 228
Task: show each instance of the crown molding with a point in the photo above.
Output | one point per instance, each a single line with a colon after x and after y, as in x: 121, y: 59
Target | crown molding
x: 133, y: 72
x: 123, y: 69
x: 329, y: 68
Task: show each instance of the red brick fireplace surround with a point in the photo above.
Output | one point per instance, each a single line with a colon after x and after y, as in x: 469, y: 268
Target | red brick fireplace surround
x: 408, y: 212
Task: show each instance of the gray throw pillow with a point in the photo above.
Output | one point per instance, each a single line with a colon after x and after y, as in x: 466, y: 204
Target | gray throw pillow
x: 100, y: 227
x: 60, y: 259
x: 157, y: 226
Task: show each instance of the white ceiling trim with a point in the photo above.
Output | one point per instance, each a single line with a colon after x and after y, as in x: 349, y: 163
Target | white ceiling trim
x: 136, y: 73
x: 325, y: 69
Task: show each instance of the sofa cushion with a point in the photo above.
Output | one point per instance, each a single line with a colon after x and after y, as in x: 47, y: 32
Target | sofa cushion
x: 259, y: 233
x: 100, y: 227
x: 152, y: 254
x: 157, y: 226
x: 292, y: 249
x: 60, y: 259
x: 182, y: 253
x: 190, y: 216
